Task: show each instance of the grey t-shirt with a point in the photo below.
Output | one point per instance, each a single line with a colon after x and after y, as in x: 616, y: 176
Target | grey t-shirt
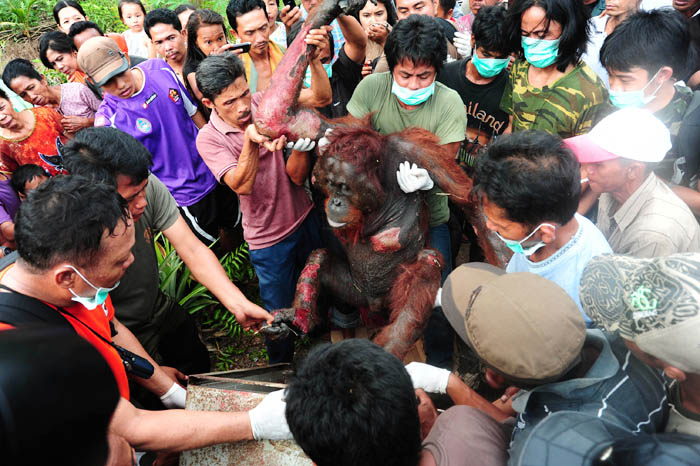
x: 135, y: 299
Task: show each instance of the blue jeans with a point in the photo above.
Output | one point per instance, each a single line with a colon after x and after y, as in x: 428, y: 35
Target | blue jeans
x: 278, y: 268
x: 439, y: 334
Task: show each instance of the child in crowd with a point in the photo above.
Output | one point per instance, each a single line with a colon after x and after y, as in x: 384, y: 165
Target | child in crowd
x: 26, y: 178
x: 206, y: 34
x: 133, y: 13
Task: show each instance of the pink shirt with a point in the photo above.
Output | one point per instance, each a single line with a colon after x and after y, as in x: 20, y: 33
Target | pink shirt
x: 276, y: 207
x: 78, y: 100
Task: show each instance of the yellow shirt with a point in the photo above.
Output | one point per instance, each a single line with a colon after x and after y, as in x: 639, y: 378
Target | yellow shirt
x: 275, y: 52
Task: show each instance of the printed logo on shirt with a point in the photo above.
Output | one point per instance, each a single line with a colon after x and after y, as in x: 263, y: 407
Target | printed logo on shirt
x: 174, y: 95
x: 149, y: 100
x: 144, y: 125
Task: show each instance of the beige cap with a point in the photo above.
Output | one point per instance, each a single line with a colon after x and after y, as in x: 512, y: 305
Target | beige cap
x: 101, y: 59
x: 521, y: 324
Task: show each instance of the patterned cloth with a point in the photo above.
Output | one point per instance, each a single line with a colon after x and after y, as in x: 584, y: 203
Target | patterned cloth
x: 672, y: 115
x: 564, y: 108
x: 41, y: 147
x: 279, y: 37
x: 338, y: 39
x: 653, y: 302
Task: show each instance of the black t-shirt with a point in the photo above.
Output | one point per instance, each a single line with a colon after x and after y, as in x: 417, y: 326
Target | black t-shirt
x: 481, y: 101
x: 694, y: 51
x: 688, y: 146
x: 345, y: 78
x: 448, y: 28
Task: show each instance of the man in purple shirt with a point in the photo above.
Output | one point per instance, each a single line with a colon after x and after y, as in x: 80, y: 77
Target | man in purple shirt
x: 278, y: 222
x: 151, y: 104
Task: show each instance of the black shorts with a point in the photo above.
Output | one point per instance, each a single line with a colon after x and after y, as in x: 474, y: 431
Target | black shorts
x: 218, y: 210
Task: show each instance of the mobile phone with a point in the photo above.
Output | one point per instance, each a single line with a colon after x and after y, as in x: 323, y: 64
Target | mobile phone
x: 290, y: 3
x: 244, y: 47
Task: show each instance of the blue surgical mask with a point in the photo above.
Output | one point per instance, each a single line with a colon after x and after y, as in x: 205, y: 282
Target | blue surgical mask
x: 100, y: 293
x: 489, y: 67
x: 307, y: 77
x: 636, y: 99
x: 411, y: 97
x: 517, y: 246
x: 540, y: 53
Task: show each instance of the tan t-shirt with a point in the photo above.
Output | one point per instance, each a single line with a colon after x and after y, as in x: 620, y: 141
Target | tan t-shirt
x: 653, y: 222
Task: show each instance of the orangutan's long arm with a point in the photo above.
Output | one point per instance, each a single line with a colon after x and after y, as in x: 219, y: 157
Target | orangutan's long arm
x: 279, y: 112
x: 451, y: 180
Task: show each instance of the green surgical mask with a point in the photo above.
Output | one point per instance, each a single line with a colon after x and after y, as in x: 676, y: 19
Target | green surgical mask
x: 540, y: 53
x: 517, y: 246
x: 489, y: 67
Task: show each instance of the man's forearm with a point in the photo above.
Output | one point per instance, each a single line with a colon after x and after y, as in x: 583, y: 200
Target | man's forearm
x: 462, y: 394
x: 355, y: 38
x: 177, y: 429
x: 204, y: 265
x: 320, y: 94
x: 242, y: 178
x: 159, y: 383
x: 298, y: 166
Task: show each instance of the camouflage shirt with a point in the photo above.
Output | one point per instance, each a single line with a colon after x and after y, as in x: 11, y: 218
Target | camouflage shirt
x: 562, y: 108
x: 672, y: 115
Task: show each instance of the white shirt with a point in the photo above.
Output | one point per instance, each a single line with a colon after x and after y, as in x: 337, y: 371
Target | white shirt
x: 565, y: 266
x: 595, y: 43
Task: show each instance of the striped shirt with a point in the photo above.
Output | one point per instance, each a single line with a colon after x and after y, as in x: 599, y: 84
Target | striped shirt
x: 653, y: 222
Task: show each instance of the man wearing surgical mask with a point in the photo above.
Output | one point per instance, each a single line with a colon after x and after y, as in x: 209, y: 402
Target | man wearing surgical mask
x: 550, y: 88
x: 480, y: 81
x: 529, y: 186
x: 408, y: 96
x: 646, y: 56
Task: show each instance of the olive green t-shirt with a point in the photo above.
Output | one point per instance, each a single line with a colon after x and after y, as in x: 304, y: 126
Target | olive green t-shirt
x: 442, y: 114
x: 564, y: 108
x: 136, y: 299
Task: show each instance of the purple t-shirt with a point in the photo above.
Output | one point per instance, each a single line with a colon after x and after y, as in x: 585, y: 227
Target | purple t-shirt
x: 9, y: 202
x: 159, y: 116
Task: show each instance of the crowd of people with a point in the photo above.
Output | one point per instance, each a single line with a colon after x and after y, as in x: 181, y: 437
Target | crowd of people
x: 578, y: 122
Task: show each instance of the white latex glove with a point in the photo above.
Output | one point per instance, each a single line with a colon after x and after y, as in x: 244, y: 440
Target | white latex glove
x: 463, y: 44
x: 302, y: 145
x: 323, y: 142
x: 430, y: 378
x: 175, y: 397
x: 267, y: 419
x: 412, y: 178
x: 438, y: 298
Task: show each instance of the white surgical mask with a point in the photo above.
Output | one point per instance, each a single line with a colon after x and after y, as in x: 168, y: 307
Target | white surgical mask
x: 91, y: 303
x: 412, y: 97
x: 517, y: 246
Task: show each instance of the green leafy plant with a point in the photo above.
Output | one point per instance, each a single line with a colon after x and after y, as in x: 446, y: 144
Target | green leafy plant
x: 105, y: 14
x: 176, y: 281
x: 21, y: 13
